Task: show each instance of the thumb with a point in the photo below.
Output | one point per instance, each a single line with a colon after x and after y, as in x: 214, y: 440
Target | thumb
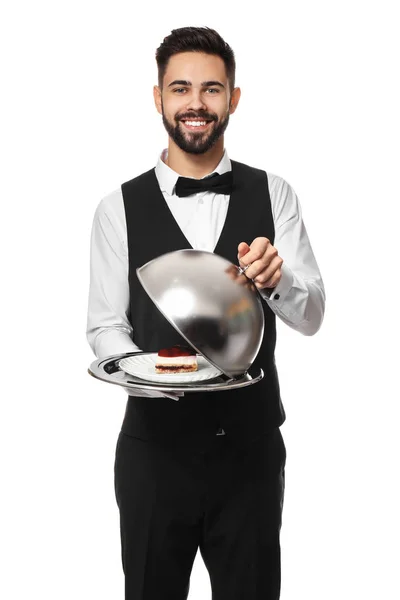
x: 243, y: 249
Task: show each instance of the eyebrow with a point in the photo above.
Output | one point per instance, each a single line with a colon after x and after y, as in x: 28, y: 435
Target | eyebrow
x: 189, y: 83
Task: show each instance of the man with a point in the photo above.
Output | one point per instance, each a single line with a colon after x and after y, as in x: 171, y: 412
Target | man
x: 207, y: 471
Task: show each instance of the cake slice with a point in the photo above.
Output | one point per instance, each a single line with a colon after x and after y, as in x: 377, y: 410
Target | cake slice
x: 177, y: 359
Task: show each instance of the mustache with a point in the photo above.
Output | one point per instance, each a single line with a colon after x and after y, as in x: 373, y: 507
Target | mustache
x: 200, y: 115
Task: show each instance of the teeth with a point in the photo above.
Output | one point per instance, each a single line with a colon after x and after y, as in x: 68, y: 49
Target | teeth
x: 195, y: 123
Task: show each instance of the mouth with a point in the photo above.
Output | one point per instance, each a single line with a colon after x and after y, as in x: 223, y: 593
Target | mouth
x: 196, y: 124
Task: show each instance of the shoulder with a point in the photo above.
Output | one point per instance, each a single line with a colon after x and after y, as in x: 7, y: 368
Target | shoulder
x: 278, y: 185
x: 111, y: 207
x: 246, y: 170
x: 139, y: 179
x: 110, y: 204
x: 110, y: 214
x: 284, y: 201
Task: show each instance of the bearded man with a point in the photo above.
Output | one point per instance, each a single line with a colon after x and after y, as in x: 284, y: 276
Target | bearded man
x: 206, y: 471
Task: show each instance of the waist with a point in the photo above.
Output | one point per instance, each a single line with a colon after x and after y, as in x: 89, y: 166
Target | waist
x: 199, y: 415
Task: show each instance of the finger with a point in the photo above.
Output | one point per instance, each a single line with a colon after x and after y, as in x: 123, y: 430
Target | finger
x: 269, y: 260
x: 258, y: 249
x: 243, y: 249
x: 172, y: 396
x: 266, y: 274
x: 259, y: 267
x: 269, y: 282
x: 254, y: 269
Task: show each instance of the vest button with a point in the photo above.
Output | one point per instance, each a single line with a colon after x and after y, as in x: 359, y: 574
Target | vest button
x: 276, y: 297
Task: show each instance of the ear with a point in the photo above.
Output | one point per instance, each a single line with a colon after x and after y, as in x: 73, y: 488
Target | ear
x: 235, y: 97
x: 157, y: 98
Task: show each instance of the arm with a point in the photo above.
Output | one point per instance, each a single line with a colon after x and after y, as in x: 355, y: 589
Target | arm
x: 109, y: 331
x: 287, y: 274
x: 108, y: 328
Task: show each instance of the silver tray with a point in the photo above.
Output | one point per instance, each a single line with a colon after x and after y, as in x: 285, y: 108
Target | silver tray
x: 107, y: 369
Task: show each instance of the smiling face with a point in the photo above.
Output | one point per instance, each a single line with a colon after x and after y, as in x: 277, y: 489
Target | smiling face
x: 195, y: 101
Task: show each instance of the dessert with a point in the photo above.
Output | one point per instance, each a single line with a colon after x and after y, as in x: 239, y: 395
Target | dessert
x: 177, y: 359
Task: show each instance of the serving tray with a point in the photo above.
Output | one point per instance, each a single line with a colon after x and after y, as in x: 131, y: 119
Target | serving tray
x: 108, y: 369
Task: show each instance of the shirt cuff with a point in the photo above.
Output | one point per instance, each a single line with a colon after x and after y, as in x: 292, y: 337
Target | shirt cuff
x: 111, y: 341
x: 278, y: 294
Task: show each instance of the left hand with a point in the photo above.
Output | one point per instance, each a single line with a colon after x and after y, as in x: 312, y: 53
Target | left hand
x: 265, y: 269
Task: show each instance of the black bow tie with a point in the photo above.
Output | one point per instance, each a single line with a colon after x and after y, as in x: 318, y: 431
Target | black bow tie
x: 219, y: 184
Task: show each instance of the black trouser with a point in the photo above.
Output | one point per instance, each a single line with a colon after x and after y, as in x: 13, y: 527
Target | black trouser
x: 221, y: 497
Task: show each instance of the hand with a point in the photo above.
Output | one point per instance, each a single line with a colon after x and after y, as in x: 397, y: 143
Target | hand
x: 265, y: 269
x: 154, y: 394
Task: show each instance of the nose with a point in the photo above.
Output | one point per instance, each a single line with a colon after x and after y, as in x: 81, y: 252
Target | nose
x: 196, y: 101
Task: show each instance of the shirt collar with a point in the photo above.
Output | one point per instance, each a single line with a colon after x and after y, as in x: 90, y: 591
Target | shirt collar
x: 167, y: 178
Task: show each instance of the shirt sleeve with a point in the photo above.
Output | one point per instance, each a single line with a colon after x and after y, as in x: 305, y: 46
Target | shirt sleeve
x: 109, y: 331
x: 299, y: 298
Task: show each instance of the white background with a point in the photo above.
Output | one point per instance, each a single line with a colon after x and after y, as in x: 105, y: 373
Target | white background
x: 320, y: 107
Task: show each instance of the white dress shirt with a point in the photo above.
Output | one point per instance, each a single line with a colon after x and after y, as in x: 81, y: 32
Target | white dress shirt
x: 298, y: 299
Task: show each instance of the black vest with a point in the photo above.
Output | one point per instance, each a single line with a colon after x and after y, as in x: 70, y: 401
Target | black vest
x: 152, y: 231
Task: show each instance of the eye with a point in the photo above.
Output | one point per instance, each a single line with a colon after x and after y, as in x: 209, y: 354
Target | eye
x: 179, y: 90
x: 213, y: 91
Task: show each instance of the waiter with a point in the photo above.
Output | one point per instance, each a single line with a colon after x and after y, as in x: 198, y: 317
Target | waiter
x: 203, y: 470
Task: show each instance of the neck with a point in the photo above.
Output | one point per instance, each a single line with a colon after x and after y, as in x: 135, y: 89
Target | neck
x: 194, y: 165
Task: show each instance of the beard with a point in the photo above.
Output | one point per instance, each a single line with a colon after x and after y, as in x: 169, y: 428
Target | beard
x: 195, y: 142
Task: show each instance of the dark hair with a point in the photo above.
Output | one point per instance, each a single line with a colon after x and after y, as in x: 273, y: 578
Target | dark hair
x: 195, y: 39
